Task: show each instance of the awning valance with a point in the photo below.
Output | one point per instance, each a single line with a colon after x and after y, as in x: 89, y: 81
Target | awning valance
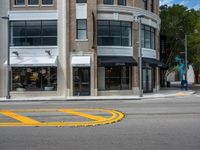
x: 153, y: 62
x: 116, y: 61
x: 81, y: 61
x: 33, y: 61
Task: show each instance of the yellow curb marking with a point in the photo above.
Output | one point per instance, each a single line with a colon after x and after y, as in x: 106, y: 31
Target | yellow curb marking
x: 96, y: 120
x: 18, y: 117
x: 180, y: 94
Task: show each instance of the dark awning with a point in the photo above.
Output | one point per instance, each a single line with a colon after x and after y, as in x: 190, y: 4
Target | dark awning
x: 116, y: 61
x: 153, y: 62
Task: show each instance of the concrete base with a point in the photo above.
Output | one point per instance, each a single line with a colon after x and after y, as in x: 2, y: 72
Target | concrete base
x: 136, y: 91
x: 28, y: 94
x: 115, y: 92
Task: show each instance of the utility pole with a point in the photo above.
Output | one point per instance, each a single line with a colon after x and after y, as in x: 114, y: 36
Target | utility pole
x: 138, y: 19
x: 186, y: 57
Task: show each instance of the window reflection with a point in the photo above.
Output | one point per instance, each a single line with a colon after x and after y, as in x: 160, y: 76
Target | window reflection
x: 118, y: 78
x: 148, y: 37
x: 34, y: 33
x: 114, y: 33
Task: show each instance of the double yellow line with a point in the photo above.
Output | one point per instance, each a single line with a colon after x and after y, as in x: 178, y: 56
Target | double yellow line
x: 95, y: 120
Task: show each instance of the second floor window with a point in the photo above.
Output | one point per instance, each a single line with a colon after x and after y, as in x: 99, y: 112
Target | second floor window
x: 108, y: 2
x: 81, y: 29
x: 122, y: 2
x: 33, y: 33
x: 145, y: 4
x: 81, y: 1
x: 33, y: 2
x: 47, y: 2
x: 148, y: 37
x: 152, y: 5
x: 114, y: 33
x: 19, y: 2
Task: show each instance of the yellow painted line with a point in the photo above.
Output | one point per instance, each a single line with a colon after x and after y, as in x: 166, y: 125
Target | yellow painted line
x: 115, y: 116
x: 92, y: 117
x: 18, y: 117
x: 180, y: 94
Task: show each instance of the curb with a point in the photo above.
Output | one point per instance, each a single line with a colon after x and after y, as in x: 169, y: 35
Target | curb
x: 101, y: 98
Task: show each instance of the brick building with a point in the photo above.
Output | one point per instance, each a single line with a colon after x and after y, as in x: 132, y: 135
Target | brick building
x: 79, y: 47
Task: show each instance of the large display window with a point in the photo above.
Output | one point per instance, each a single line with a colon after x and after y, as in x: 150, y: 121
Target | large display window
x: 118, y: 78
x: 34, y: 79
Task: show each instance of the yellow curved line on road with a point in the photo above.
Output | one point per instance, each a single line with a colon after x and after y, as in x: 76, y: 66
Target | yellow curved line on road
x: 115, y: 117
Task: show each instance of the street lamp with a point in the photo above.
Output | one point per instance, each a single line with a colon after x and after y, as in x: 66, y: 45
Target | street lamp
x: 8, y: 58
x: 138, y: 19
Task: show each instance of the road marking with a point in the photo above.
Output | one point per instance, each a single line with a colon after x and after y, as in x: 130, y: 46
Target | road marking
x: 115, y: 116
x: 180, y: 94
x: 18, y: 117
x: 92, y: 117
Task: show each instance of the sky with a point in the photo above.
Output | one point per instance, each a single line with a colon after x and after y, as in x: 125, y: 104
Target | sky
x: 195, y: 4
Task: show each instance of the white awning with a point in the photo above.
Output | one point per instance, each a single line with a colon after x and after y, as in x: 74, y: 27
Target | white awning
x: 33, y: 61
x: 80, y: 60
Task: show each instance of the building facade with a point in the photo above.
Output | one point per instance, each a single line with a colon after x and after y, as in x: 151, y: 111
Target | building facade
x: 80, y: 47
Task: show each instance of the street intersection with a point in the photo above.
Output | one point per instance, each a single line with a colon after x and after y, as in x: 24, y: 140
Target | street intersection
x: 153, y: 124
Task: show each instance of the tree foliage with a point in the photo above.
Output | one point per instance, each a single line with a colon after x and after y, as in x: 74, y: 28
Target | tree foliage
x: 176, y: 21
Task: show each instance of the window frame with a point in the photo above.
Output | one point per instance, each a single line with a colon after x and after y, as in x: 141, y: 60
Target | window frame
x: 23, y: 77
x: 152, y: 5
x: 81, y: 1
x: 82, y: 29
x: 33, y: 4
x: 123, y: 2
x: 110, y: 79
x: 145, y: 4
x: 152, y: 41
x: 25, y: 39
x: 15, y: 3
x: 110, y: 26
x: 108, y: 2
x: 47, y: 4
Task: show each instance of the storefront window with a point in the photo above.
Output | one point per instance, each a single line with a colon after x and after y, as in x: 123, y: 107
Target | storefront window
x: 34, y: 78
x: 118, y: 78
x: 114, y: 33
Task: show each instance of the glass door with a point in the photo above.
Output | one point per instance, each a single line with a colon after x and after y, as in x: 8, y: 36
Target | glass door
x: 81, y: 81
x: 147, y: 80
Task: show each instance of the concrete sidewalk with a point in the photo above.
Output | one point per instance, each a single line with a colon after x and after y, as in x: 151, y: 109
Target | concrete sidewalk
x: 163, y: 93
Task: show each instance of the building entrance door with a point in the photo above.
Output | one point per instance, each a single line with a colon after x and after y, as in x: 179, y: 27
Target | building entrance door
x: 147, y: 80
x: 81, y: 81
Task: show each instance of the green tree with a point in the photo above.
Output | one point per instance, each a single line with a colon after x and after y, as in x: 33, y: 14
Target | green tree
x: 176, y: 21
x: 194, y: 49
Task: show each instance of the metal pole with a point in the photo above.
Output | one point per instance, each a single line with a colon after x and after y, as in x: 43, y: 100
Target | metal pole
x: 140, y: 59
x: 186, y: 57
x: 8, y: 58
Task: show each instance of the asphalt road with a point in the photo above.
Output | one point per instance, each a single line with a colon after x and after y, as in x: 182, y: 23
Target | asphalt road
x: 152, y: 124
